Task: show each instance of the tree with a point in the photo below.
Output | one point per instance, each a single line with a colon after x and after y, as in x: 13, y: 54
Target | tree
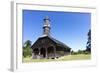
x: 27, y: 51
x: 88, y: 45
x: 80, y: 52
x: 27, y: 43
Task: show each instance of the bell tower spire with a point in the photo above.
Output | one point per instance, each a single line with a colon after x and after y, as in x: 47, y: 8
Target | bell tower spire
x: 46, y: 26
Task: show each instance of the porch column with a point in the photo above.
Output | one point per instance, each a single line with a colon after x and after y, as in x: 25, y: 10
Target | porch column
x: 32, y: 53
x: 46, y: 52
x: 54, y: 51
x: 39, y: 51
x: 39, y: 56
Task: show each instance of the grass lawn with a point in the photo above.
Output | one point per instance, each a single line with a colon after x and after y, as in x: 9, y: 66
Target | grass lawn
x: 64, y: 58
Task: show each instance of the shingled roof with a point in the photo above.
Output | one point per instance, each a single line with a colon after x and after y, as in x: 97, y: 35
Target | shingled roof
x: 55, y: 41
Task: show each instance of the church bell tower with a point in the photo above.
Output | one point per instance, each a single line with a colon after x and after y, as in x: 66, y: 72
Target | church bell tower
x: 46, y: 26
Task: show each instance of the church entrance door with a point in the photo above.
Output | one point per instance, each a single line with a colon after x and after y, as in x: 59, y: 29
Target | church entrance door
x: 43, y: 52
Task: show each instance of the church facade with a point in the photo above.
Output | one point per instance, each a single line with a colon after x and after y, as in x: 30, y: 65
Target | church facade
x: 48, y: 47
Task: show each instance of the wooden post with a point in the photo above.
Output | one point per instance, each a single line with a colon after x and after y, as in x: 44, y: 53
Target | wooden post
x: 54, y: 51
x: 46, y: 52
x: 39, y: 56
x: 39, y: 51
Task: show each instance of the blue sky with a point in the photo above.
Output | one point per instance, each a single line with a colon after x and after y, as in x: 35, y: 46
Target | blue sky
x: 68, y: 27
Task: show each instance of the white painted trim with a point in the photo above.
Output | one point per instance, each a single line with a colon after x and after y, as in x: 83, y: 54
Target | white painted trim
x: 16, y: 50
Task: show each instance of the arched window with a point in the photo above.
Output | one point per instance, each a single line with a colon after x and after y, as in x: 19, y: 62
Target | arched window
x: 50, y: 49
x: 43, y: 52
x: 36, y: 51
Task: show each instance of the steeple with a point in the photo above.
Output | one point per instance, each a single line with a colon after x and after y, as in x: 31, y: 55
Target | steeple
x: 46, y: 26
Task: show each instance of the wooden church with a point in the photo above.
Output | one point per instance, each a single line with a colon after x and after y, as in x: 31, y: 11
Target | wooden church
x: 48, y: 47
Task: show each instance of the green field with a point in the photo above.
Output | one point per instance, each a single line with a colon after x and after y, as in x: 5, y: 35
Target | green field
x: 64, y: 58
